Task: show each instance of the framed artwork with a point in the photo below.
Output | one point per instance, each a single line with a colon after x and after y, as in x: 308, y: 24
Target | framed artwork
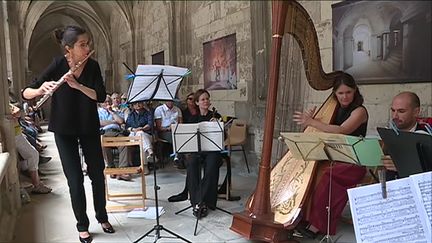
x: 383, y: 41
x: 220, y: 63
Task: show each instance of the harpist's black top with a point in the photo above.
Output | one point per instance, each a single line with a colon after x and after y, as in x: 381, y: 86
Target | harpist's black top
x: 72, y: 112
x: 344, y: 113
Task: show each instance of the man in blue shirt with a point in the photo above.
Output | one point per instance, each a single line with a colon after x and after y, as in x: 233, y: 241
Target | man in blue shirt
x: 111, y: 122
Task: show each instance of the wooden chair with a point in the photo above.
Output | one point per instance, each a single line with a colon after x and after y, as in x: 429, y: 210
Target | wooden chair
x: 125, y: 141
x: 237, y: 136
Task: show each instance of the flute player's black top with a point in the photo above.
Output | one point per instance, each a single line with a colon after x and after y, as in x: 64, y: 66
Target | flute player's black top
x: 73, y: 112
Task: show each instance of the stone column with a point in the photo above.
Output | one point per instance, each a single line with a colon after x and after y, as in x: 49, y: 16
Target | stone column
x: 18, y: 74
x: 10, y: 202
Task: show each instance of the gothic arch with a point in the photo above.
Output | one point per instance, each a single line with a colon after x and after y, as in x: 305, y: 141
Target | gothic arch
x: 37, y: 18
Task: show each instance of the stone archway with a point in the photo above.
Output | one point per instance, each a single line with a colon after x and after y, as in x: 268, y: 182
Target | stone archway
x: 106, y: 22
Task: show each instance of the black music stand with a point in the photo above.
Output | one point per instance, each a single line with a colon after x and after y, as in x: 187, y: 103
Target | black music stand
x: 151, y: 83
x: 411, y: 152
x: 334, y: 147
x: 197, y: 138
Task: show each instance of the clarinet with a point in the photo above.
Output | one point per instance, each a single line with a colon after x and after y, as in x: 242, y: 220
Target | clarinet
x: 61, y: 81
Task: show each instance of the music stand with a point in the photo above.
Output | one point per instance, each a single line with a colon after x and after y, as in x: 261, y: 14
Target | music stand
x: 334, y: 147
x: 197, y: 138
x: 151, y: 83
x: 411, y: 152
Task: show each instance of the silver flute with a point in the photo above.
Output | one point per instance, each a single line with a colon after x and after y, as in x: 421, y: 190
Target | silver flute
x: 61, y: 81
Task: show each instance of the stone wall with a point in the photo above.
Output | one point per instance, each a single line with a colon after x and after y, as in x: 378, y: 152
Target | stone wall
x: 10, y: 202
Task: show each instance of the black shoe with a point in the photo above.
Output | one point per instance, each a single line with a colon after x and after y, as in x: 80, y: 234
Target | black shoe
x: 86, y: 240
x: 204, y: 211
x: 200, y: 211
x: 306, y: 232
x: 179, y: 197
x: 44, y: 160
x: 109, y: 229
x: 195, y: 211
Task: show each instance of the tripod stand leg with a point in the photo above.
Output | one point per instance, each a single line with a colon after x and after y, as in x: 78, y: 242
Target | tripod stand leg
x: 157, y: 228
x: 182, y: 210
x: 145, y: 235
x: 327, y: 238
x: 196, y: 226
x: 157, y: 236
x: 176, y: 235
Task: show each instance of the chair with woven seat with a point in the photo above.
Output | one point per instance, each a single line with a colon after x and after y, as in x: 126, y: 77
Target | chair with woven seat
x: 237, y: 137
x: 125, y: 141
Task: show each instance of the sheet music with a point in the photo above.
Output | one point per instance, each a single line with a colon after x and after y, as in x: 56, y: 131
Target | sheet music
x: 145, y: 83
x: 423, y: 186
x: 212, y: 138
x: 185, y: 137
x: 400, y: 217
x: 310, y: 146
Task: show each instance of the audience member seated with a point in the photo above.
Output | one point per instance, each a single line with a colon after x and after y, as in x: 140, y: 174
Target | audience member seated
x: 140, y: 123
x: 111, y: 122
x: 32, y: 116
x: 116, y: 101
x: 32, y: 134
x: 29, y: 155
x: 405, y: 109
x: 124, y: 106
x: 190, y: 110
x: 165, y: 115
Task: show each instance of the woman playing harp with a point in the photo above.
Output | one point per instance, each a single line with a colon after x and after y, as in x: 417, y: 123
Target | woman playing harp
x: 351, y: 118
x: 74, y: 121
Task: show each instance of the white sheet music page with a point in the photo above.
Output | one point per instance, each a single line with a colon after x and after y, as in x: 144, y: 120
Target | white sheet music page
x: 145, y: 83
x: 423, y: 186
x: 212, y: 136
x: 184, y: 137
x: 401, y: 217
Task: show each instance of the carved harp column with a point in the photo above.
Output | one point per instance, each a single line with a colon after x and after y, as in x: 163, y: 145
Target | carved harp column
x: 257, y: 222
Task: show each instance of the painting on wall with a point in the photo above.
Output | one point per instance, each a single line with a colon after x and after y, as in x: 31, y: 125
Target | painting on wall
x: 220, y: 63
x: 383, y: 41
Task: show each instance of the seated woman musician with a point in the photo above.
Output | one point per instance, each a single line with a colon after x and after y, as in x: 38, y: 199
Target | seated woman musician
x: 204, y: 196
x: 351, y: 118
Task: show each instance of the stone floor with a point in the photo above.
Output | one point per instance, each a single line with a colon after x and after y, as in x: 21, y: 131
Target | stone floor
x: 49, y: 218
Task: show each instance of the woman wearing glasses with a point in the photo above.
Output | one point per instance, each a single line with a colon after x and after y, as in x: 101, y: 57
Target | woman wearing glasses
x: 191, y: 108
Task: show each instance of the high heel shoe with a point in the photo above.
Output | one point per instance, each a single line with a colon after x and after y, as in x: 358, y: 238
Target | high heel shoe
x: 88, y: 239
x: 108, y: 229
